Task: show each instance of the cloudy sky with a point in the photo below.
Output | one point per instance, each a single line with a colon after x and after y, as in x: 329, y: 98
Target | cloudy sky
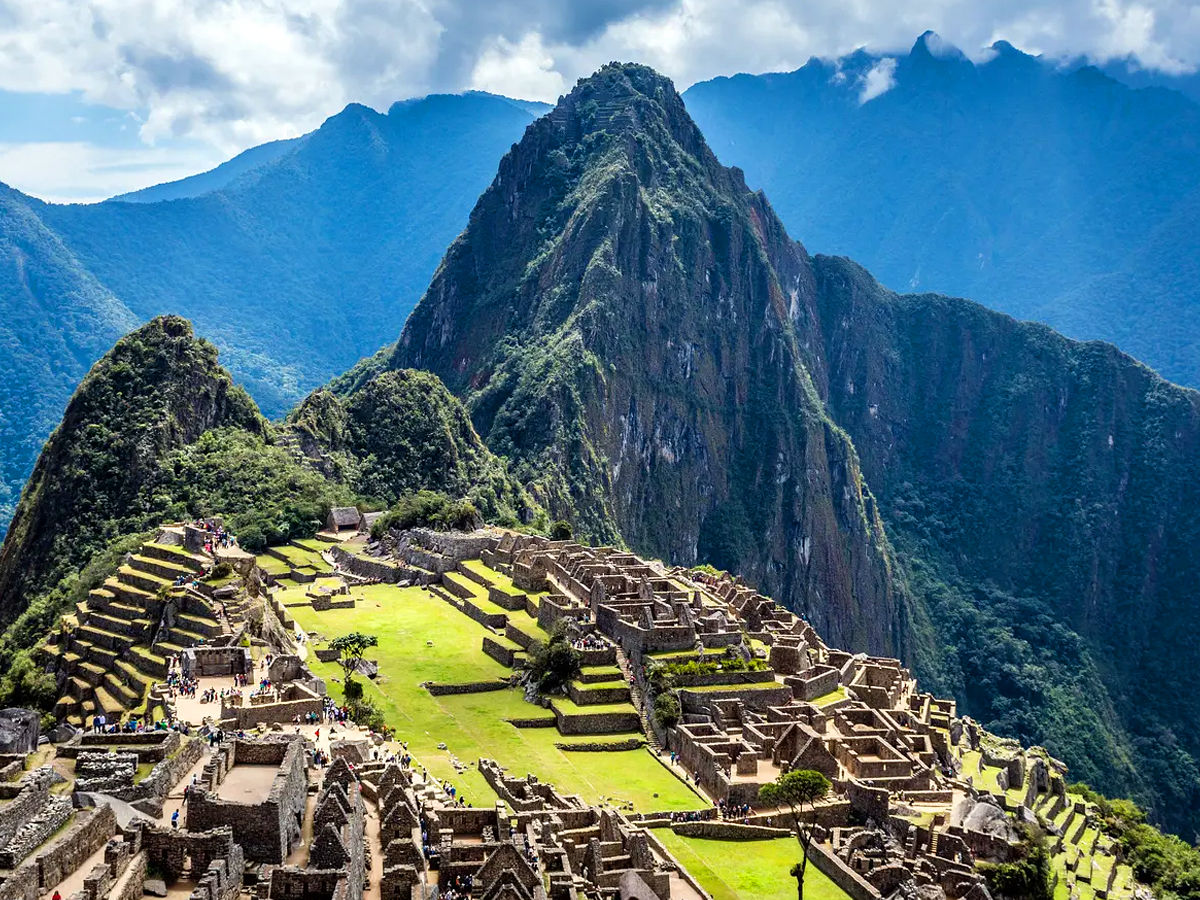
x: 102, y: 96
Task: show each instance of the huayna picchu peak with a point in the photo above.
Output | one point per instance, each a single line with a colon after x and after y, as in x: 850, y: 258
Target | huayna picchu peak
x: 624, y: 320
x: 656, y: 558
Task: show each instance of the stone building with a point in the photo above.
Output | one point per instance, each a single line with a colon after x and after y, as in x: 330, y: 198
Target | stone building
x: 257, y: 788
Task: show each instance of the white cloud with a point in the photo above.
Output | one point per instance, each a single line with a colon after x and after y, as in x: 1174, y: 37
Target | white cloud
x: 524, y: 70
x: 880, y: 79
x: 232, y: 73
x: 70, y: 171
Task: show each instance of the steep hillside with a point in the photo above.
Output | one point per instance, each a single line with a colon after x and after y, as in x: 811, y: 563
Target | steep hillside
x: 618, y: 316
x: 299, y: 262
x: 1057, y: 195
x: 158, y: 432
x: 1044, y: 494
x: 156, y: 391
x: 403, y: 432
x: 56, y: 320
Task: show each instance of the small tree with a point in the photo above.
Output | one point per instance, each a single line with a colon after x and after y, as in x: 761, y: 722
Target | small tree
x: 796, y: 790
x: 666, y: 710
x: 555, y: 663
x: 350, y: 648
x: 561, y: 531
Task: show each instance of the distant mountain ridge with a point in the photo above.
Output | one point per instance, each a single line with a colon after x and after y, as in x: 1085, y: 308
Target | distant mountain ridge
x: 1052, y: 193
x: 297, y: 258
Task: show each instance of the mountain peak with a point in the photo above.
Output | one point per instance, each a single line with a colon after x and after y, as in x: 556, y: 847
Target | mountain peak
x: 624, y: 97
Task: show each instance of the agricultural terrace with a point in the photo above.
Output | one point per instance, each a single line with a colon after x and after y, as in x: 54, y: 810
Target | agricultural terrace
x: 423, y: 638
x: 747, y: 870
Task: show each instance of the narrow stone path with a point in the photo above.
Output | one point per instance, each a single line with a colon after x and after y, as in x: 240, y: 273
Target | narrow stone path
x: 375, y: 848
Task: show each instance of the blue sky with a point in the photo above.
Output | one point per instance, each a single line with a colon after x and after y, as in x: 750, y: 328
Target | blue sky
x: 98, y: 97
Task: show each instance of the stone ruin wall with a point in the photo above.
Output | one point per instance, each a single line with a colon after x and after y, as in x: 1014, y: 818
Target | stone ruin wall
x: 89, y: 832
x: 267, y: 831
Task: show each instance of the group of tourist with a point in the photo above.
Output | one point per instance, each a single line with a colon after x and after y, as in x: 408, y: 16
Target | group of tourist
x: 183, y: 686
x: 589, y: 642
x: 460, y: 886
x: 734, y: 811
x: 218, y: 536
x: 694, y: 815
x: 101, y: 725
x: 335, y: 713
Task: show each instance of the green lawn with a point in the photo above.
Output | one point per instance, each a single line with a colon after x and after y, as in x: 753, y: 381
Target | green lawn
x: 271, y: 565
x: 473, y: 725
x: 748, y: 870
x: 729, y: 686
x: 569, y: 707
x: 984, y: 779
x: 838, y: 693
x: 299, y: 557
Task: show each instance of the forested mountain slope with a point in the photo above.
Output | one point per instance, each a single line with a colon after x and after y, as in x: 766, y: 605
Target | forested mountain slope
x: 296, y: 265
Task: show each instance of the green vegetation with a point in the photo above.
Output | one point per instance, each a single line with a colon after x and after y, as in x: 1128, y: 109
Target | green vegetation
x: 264, y: 494
x: 554, y: 664
x: 746, y: 870
x: 1169, y: 865
x: 1027, y: 878
x: 664, y: 675
x: 159, y: 389
x: 561, y: 531
x: 798, y: 791
x: 424, y: 639
x: 351, y: 649
x: 428, y: 509
x: 400, y: 433
x: 666, y: 710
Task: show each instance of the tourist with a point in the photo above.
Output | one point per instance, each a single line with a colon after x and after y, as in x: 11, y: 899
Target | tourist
x: 175, y: 819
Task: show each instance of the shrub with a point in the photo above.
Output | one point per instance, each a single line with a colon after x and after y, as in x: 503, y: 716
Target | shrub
x: 561, y: 531
x: 666, y: 710
x: 555, y: 663
x: 367, y: 714
x: 428, y: 509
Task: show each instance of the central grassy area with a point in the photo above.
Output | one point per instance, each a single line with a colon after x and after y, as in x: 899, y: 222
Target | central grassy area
x: 423, y: 638
x: 748, y: 870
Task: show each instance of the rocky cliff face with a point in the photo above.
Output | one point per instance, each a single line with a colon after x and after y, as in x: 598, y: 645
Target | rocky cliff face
x: 1054, y: 481
x: 620, y: 318
x: 157, y: 390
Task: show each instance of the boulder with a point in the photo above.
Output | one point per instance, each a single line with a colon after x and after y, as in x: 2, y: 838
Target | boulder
x: 154, y: 887
x: 367, y: 667
x: 19, y: 730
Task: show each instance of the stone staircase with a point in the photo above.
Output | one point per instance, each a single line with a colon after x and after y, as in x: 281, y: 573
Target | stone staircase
x: 119, y: 641
x: 638, y: 699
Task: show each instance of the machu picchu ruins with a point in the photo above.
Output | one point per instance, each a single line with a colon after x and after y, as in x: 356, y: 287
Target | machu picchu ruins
x: 207, y: 745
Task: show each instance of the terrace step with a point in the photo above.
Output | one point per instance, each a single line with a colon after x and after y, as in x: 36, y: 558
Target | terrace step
x: 144, y: 581
x: 129, y: 594
x: 119, y: 691
x: 161, y: 568
x: 185, y: 638
x: 177, y: 555
x: 107, y: 704
x: 138, y: 681
x: 103, y: 638
x: 91, y: 673
x: 101, y: 656
x: 115, y: 625
x: 102, y: 597
x: 126, y: 611
x: 153, y: 665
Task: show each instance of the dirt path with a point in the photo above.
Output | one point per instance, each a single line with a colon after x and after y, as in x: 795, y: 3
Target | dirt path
x: 74, y: 881
x: 375, y: 847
